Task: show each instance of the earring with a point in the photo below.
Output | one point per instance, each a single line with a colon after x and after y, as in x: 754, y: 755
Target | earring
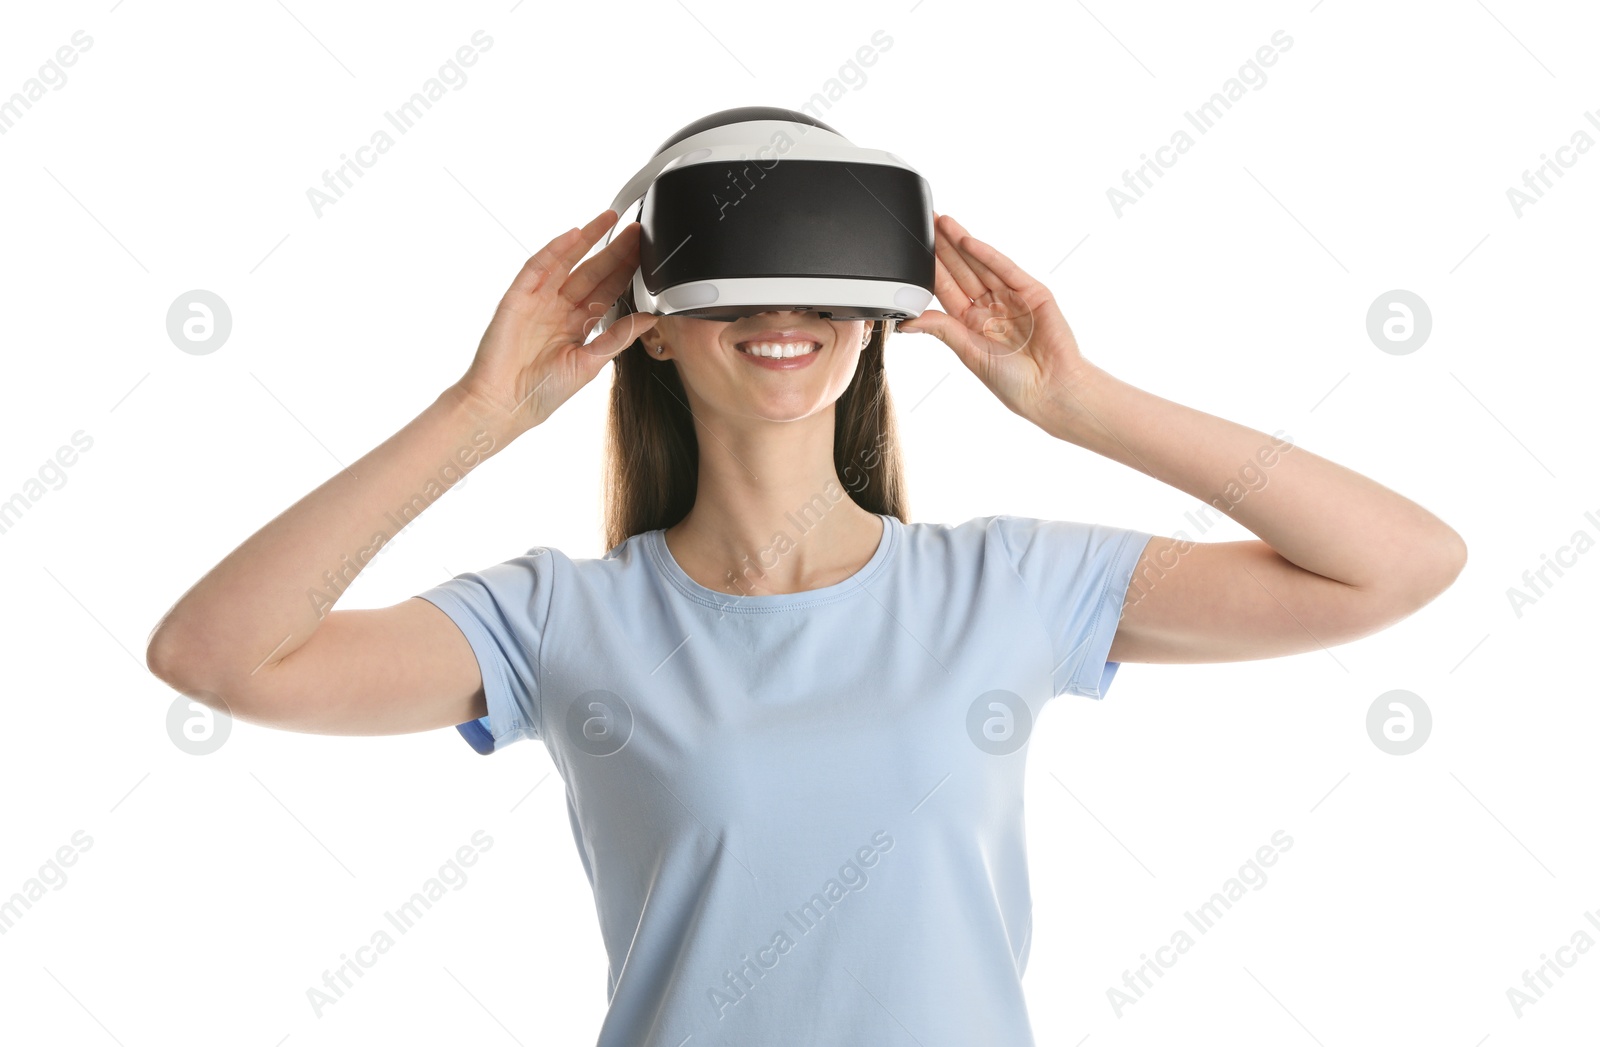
x: 660, y: 349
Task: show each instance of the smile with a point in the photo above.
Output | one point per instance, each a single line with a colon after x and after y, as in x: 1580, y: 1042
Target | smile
x: 779, y: 350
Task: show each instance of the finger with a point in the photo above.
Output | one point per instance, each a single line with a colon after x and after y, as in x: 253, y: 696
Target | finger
x: 945, y: 249
x: 606, y: 295
x: 590, y: 235
x: 963, y: 242
x: 930, y: 321
x: 557, y: 257
x: 942, y: 326
x: 619, y: 256
x: 955, y: 300
x: 620, y: 335
x: 995, y: 269
x: 609, y: 290
x: 536, y: 270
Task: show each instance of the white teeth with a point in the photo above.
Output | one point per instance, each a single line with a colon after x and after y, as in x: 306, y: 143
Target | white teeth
x: 780, y: 350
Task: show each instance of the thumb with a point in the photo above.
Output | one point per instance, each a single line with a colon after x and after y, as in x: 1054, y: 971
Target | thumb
x: 619, y: 335
x: 942, y: 326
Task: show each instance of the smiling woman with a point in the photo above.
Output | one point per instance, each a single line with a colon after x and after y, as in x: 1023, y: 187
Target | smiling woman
x: 730, y: 727
x: 682, y: 370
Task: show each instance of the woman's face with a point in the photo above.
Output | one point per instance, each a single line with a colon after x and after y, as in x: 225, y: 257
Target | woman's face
x: 724, y: 380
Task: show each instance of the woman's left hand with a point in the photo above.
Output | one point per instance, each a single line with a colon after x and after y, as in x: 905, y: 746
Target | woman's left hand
x: 1003, y: 324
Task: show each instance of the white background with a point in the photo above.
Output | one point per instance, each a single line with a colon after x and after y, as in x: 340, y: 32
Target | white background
x: 1376, y: 156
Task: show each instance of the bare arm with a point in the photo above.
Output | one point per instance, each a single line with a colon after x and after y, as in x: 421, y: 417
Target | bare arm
x: 258, y: 635
x: 1339, y: 556
x: 259, y: 629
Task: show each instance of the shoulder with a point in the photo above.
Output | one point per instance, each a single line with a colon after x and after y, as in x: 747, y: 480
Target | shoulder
x: 997, y: 531
x: 628, y: 552
x: 1034, y: 545
x: 625, y: 563
x: 969, y: 541
x: 549, y: 567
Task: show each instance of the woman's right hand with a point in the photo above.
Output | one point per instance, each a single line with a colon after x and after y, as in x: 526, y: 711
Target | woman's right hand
x: 533, y: 356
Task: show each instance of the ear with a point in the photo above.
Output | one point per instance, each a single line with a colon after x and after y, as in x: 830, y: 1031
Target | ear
x: 655, y: 336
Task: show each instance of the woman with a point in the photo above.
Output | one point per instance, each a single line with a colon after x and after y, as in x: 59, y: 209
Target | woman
x: 792, y: 725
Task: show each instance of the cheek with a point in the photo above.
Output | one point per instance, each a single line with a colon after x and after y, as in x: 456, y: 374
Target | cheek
x: 842, y: 373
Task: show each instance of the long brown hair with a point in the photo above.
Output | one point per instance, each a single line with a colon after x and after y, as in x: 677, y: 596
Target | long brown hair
x: 653, y: 455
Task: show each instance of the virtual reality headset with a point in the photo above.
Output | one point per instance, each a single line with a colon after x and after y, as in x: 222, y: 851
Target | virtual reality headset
x: 758, y: 209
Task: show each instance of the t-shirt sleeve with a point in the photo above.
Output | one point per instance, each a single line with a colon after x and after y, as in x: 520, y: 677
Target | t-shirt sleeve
x: 502, y: 611
x: 1078, y: 574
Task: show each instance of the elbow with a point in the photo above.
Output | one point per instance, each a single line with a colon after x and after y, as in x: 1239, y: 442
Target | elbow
x: 163, y: 657
x: 1433, y: 570
x: 186, y: 663
x: 1450, y: 555
x: 1458, y: 554
x: 172, y: 654
x: 166, y: 651
x: 175, y: 663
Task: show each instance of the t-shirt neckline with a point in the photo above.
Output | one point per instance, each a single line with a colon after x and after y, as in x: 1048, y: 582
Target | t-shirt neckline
x: 768, y: 602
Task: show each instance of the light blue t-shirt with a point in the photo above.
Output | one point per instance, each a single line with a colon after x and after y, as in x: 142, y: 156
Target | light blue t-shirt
x: 801, y: 814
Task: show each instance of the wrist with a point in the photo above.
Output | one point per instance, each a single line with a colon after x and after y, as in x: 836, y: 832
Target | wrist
x: 473, y: 413
x: 1066, y: 409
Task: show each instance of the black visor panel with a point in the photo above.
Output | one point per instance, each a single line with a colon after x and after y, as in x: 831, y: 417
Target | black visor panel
x: 787, y: 217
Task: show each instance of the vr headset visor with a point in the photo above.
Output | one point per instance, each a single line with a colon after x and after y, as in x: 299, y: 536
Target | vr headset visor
x: 757, y: 209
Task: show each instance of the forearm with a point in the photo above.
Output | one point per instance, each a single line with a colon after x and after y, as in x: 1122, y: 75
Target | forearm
x: 266, y: 597
x: 1313, y: 512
